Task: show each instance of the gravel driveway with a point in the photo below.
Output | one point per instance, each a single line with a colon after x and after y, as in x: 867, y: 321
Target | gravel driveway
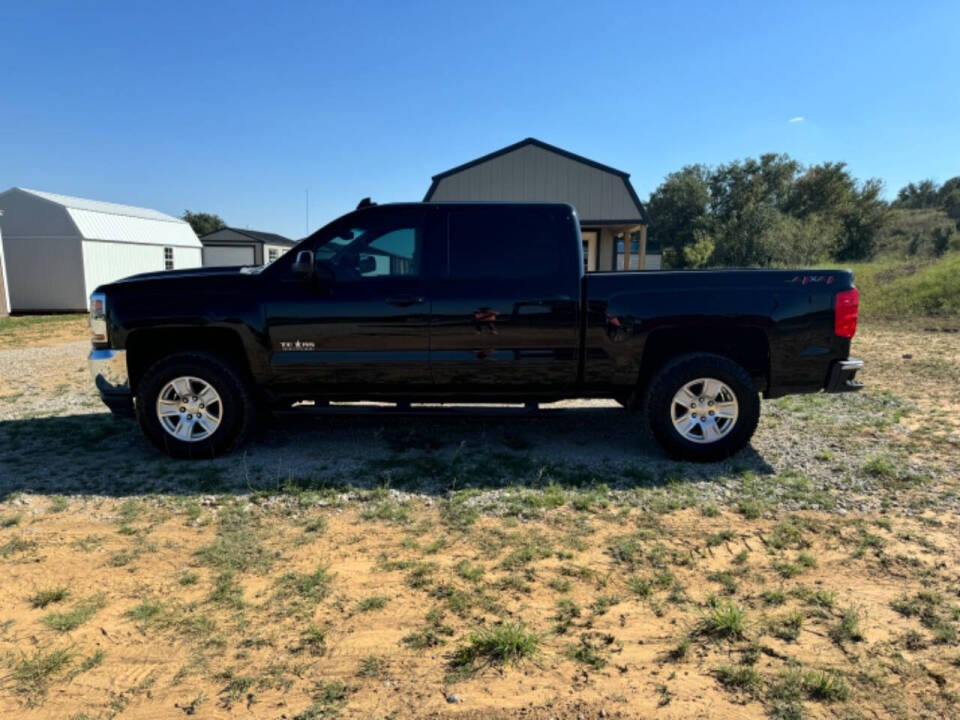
x: 810, y: 451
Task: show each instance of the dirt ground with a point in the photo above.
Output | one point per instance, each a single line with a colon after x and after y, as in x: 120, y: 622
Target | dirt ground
x: 484, y: 565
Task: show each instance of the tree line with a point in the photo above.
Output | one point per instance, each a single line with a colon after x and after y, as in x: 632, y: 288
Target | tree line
x: 773, y: 210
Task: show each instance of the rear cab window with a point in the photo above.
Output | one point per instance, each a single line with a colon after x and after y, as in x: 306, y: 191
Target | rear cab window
x: 512, y: 242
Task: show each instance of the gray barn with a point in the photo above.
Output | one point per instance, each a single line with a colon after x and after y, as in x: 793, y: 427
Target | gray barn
x: 613, y: 221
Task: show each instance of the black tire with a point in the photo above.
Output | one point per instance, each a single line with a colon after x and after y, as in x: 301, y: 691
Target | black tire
x: 672, y: 377
x: 237, y: 414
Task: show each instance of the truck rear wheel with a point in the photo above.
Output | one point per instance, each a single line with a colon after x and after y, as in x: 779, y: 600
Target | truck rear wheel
x: 194, y: 405
x: 702, y: 407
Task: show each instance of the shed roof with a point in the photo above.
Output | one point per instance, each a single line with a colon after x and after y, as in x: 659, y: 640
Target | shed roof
x: 532, y: 170
x: 98, y: 220
x: 253, y: 235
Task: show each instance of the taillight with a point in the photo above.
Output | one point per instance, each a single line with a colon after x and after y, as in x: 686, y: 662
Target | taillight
x: 845, y: 313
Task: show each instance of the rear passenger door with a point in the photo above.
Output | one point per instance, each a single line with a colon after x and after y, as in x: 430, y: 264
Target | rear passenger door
x: 505, y: 311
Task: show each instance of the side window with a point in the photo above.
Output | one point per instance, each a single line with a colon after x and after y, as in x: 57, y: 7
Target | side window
x: 272, y: 254
x: 506, y: 242
x: 168, y: 258
x: 388, y: 246
x: 393, y: 253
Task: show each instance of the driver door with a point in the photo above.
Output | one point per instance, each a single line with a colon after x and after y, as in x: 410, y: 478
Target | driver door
x: 365, y: 330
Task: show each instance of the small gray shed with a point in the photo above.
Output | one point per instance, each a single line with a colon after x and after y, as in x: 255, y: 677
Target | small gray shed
x: 234, y: 246
x: 613, y: 221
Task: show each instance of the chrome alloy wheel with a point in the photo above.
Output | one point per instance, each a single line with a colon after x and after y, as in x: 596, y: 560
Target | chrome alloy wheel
x: 704, y: 410
x: 189, y: 409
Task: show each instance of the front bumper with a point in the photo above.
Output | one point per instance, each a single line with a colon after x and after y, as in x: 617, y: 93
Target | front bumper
x: 109, y: 370
x: 841, y: 377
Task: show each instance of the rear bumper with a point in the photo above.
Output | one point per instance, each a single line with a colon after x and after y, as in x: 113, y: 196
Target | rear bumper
x: 109, y: 371
x: 842, y: 376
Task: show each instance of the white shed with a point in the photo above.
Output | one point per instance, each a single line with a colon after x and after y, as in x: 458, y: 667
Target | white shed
x: 57, y: 249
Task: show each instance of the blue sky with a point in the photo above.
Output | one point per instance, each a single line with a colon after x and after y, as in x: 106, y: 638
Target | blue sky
x: 237, y: 108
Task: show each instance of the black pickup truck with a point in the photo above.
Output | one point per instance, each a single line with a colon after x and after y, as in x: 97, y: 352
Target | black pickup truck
x: 461, y: 303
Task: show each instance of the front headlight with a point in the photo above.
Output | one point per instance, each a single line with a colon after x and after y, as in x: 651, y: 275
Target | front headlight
x: 98, y: 317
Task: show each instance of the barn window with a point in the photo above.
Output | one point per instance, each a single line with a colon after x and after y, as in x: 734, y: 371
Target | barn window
x: 272, y: 254
x: 168, y: 258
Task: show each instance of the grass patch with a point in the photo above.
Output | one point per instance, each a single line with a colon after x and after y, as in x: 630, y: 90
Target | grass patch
x: 723, y: 619
x: 31, y: 674
x: 374, y: 602
x: 498, y: 645
x: 847, y: 629
x: 75, y: 617
x: 238, y: 545
x: 42, y: 598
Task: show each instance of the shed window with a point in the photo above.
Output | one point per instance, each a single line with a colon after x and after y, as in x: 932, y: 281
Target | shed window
x: 168, y: 258
x: 272, y: 254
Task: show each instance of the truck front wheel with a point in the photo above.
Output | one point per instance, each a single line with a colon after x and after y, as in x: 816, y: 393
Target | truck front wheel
x: 194, y: 405
x: 702, y: 407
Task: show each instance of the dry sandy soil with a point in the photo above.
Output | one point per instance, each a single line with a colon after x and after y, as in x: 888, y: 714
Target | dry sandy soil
x: 483, y: 565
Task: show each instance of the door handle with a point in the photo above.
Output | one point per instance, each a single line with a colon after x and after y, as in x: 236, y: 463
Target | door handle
x: 406, y: 300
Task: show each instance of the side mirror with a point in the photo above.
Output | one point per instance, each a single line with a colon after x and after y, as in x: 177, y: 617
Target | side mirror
x: 303, y: 266
x: 367, y: 264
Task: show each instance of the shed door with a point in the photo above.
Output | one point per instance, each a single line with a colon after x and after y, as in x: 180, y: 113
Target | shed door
x: 229, y: 255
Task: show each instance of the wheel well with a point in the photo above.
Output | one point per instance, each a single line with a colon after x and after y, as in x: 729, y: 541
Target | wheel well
x: 145, y: 347
x: 746, y: 346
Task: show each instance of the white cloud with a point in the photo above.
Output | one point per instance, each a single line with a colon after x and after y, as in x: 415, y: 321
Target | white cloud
x: 797, y: 119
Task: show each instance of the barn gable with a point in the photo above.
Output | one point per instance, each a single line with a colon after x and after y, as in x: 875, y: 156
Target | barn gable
x: 532, y: 171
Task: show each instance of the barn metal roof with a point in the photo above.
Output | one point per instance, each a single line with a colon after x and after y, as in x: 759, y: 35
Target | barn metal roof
x: 98, y: 220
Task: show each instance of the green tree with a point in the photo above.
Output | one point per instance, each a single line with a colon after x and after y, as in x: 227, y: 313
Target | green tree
x: 917, y: 196
x: 203, y: 223
x: 678, y: 211
x: 951, y: 205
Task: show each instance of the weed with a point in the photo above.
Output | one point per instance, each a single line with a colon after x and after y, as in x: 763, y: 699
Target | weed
x: 848, y: 628
x: 431, y: 634
x: 592, y: 649
x: 10, y: 521
x: 16, y: 545
x: 237, y: 547
x: 567, y: 612
x: 773, y: 597
x: 726, y: 578
x: 500, y: 644
x: 302, y: 591
x: 32, y: 673
x: 372, y: 666
x: 145, y: 611
x: 419, y: 574
x: 723, y: 619
x: 742, y: 678
x: 58, y: 503
x: 750, y: 508
x: 72, y: 619
x: 788, y: 627
x: 374, y: 602
x: 312, y: 640
x: 710, y: 510
x: 681, y: 650
x: 603, y: 603
x: 716, y: 539
x: 226, y: 591
x: 560, y: 584
x: 188, y: 578
x: 43, y: 598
